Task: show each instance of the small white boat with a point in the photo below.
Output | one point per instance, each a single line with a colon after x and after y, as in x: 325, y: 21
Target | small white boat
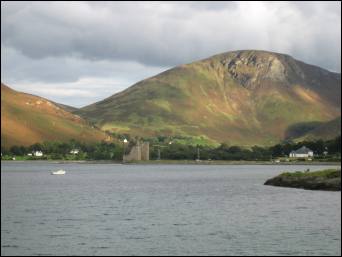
x: 58, y: 172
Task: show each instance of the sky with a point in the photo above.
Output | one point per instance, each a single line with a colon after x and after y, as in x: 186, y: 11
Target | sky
x: 77, y: 53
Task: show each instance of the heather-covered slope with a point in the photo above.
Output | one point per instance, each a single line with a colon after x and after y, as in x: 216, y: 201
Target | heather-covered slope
x: 27, y: 119
x: 242, y: 97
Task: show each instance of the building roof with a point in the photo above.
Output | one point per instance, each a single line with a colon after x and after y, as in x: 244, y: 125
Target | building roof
x: 302, y: 150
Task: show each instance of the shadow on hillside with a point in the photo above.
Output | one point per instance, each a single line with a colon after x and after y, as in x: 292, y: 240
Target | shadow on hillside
x: 300, y: 129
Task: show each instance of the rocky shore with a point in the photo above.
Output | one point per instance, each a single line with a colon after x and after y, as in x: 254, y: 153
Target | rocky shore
x: 329, y: 180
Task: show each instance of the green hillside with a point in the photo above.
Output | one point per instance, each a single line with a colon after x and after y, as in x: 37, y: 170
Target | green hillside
x: 27, y: 119
x: 241, y: 97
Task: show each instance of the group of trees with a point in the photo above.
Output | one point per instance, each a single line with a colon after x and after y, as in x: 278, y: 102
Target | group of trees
x: 226, y: 152
x: 318, y: 147
x: 174, y: 151
x: 62, y: 150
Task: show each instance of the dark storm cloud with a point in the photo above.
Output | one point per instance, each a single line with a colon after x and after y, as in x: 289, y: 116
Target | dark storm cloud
x: 166, y: 34
x: 69, y: 80
x: 64, y: 42
x: 68, y: 69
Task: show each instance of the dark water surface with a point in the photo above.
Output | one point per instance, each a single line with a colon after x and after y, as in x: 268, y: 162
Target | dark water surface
x: 112, y: 209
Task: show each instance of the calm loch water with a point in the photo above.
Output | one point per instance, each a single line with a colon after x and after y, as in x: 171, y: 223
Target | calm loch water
x: 108, y: 209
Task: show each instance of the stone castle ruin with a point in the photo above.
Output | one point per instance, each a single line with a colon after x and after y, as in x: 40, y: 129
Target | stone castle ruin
x: 138, y: 152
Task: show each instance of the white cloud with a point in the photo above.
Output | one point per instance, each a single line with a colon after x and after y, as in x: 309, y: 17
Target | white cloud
x: 71, y: 81
x: 77, y: 93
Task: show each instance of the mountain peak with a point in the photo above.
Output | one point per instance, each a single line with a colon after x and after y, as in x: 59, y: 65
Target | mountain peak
x: 241, y: 97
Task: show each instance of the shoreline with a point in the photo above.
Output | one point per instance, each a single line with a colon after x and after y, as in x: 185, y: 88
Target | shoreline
x: 326, y: 180
x: 178, y: 162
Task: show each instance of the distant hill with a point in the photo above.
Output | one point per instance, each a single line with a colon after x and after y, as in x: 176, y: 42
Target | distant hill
x: 27, y: 119
x: 242, y: 97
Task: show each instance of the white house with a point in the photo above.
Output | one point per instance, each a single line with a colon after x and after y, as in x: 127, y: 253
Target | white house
x: 302, y: 152
x: 38, y: 153
x: 74, y: 151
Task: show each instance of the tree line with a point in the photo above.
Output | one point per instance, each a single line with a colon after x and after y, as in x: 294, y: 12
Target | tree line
x: 174, y: 151
x: 62, y: 150
x: 226, y: 152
